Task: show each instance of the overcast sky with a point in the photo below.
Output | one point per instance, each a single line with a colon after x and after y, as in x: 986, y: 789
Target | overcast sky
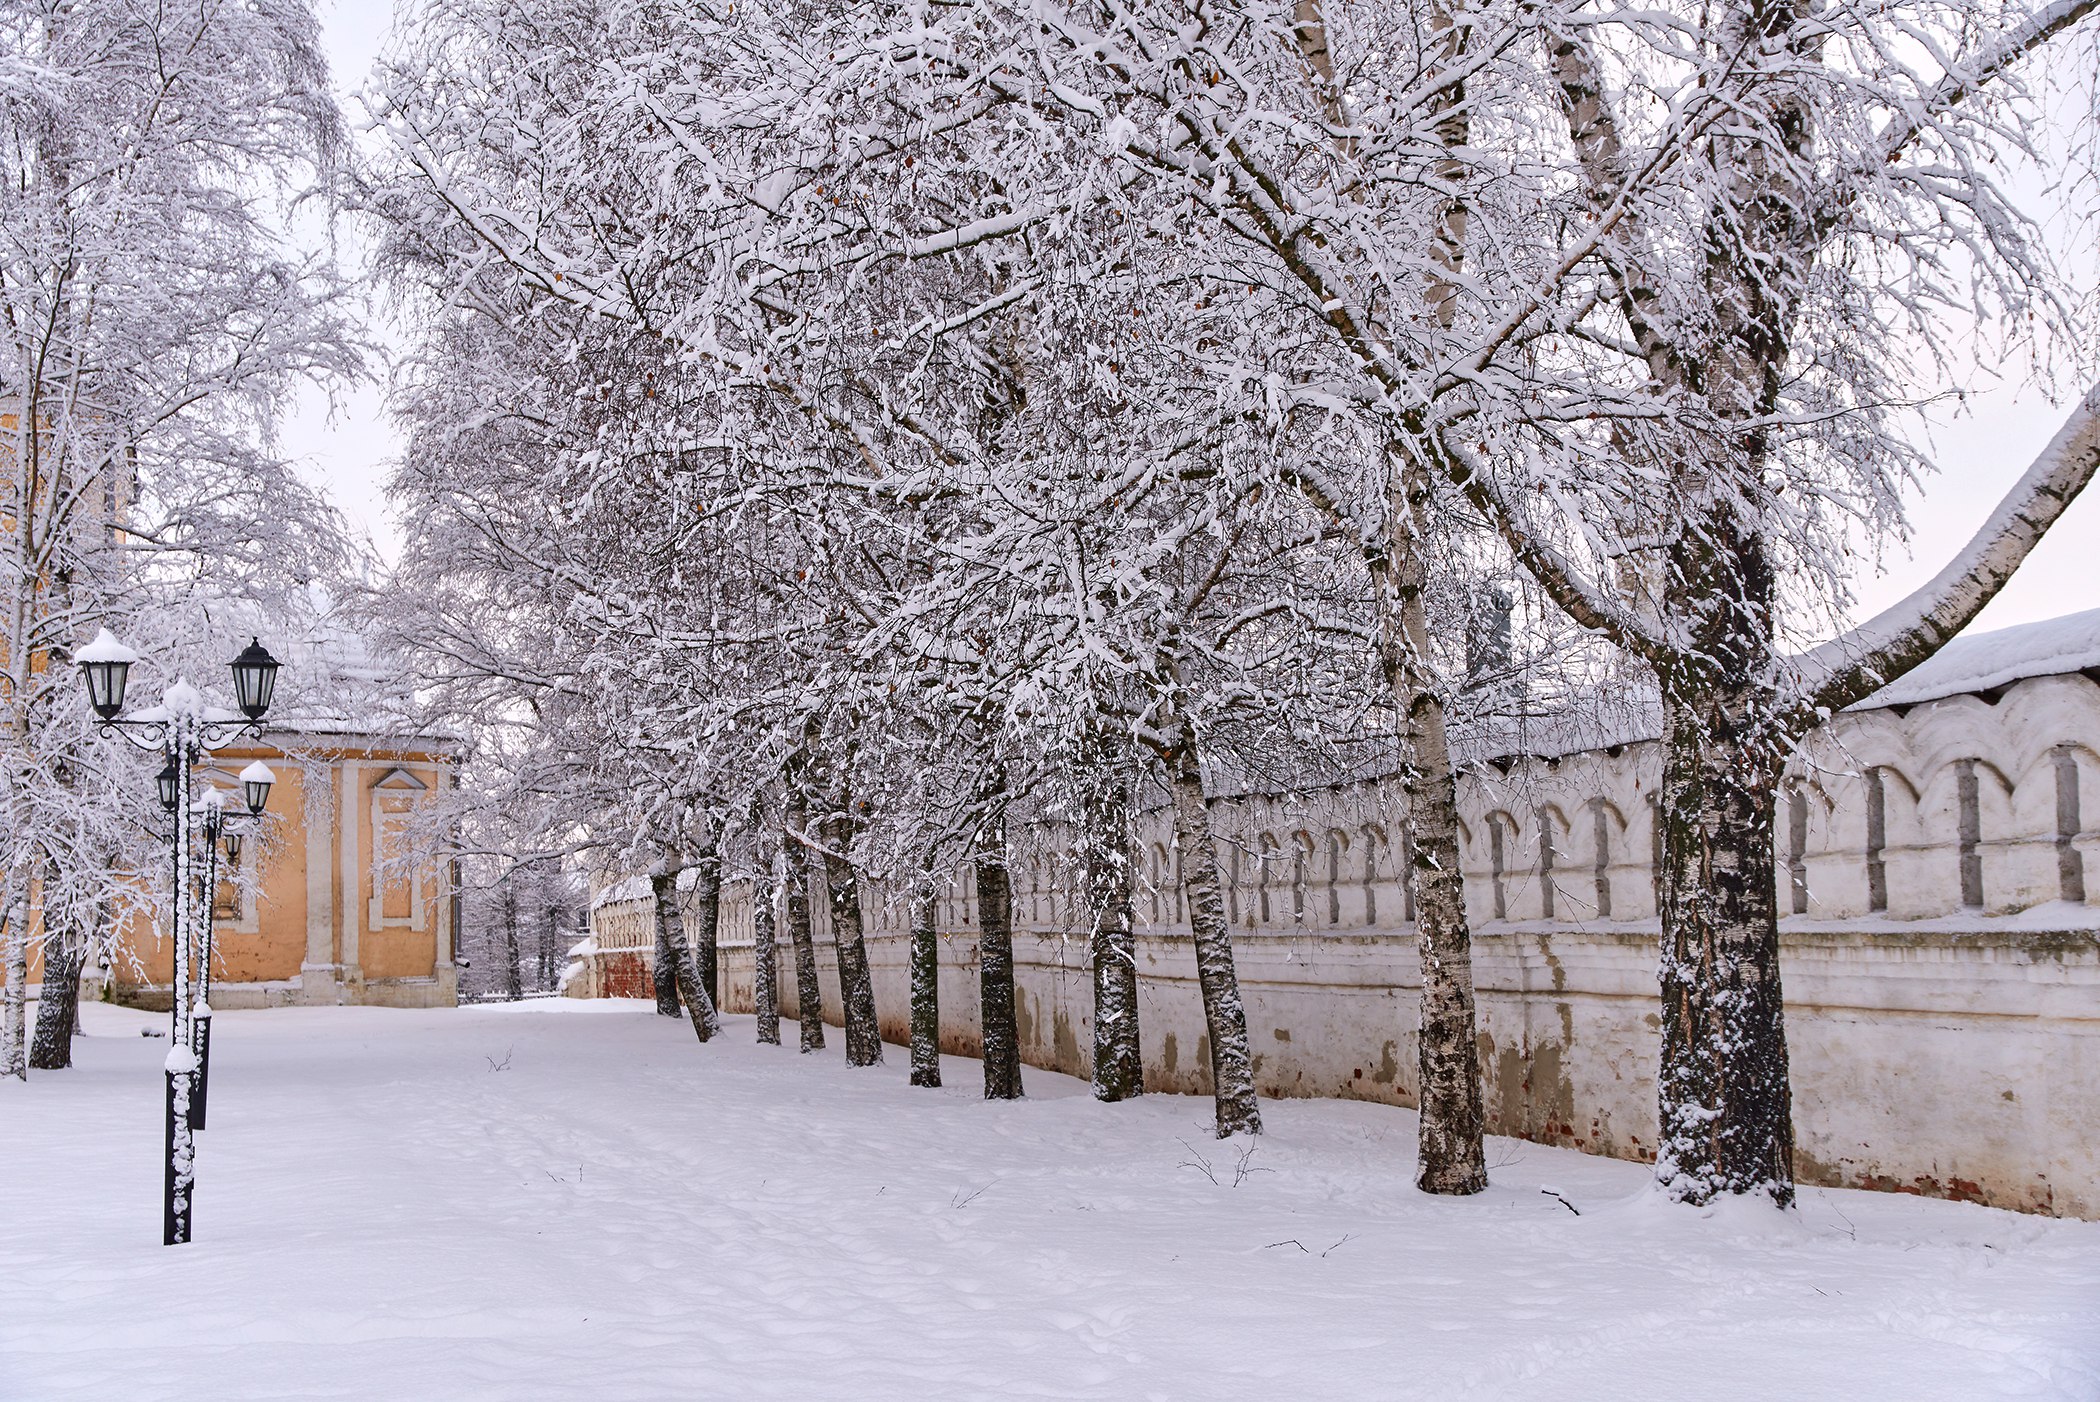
x: 1980, y: 452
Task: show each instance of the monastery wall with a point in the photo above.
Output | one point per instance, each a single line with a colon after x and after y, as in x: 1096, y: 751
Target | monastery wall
x: 1941, y: 954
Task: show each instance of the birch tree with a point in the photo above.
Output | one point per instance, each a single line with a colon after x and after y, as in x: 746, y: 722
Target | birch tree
x: 153, y: 317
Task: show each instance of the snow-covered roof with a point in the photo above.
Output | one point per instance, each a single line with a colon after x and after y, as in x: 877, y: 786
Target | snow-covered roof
x: 631, y: 888
x: 1986, y: 661
x: 336, y: 682
x: 1970, y: 663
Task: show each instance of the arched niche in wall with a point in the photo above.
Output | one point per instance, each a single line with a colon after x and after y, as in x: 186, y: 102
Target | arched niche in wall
x: 399, y: 896
x: 1337, y: 849
x: 1607, y: 836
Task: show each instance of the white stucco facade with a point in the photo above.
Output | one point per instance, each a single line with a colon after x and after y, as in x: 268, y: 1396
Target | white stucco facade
x: 1938, y: 869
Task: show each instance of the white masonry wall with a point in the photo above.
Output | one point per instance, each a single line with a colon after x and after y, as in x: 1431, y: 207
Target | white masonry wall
x: 1946, y: 1044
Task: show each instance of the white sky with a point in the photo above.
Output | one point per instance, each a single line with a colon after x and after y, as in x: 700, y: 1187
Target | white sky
x: 1980, y: 453
x: 350, y: 450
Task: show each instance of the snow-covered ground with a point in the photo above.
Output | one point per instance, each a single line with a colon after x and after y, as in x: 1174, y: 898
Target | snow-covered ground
x: 559, y: 1200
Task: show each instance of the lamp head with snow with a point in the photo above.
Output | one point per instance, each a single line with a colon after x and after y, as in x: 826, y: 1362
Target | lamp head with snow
x: 256, y: 780
x: 106, y: 664
x: 254, y: 679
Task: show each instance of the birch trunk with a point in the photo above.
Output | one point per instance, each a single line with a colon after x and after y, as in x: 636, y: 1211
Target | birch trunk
x: 706, y: 940
x: 672, y: 947
x: 707, y: 913
x: 995, y: 961
x: 1231, y: 1065
x: 1723, y: 1101
x: 58, y: 1009
x: 1106, y: 843
x: 809, y: 997
x: 1452, y: 1150
x: 925, y: 987
x: 856, y: 983
x: 14, y: 1038
x: 1722, y: 1092
x: 765, y: 964
x: 664, y: 976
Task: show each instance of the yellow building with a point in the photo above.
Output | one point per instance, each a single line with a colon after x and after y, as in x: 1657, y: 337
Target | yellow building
x: 350, y: 898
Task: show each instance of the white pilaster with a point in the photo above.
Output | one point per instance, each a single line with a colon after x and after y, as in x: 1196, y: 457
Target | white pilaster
x: 348, y: 820
x: 320, y: 979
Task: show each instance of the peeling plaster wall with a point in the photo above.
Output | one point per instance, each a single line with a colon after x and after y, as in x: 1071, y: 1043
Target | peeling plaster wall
x: 1942, y: 972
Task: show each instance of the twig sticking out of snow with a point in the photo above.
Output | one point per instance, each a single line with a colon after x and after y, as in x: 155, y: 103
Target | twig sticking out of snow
x: 1549, y: 1192
x: 1242, y: 1170
x: 1293, y: 1241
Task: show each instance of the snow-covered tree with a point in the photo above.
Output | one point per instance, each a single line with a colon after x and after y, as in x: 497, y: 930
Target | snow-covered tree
x: 1160, y: 381
x: 153, y: 316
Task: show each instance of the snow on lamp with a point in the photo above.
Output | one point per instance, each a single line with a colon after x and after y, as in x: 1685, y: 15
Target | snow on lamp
x: 106, y: 664
x: 254, y: 679
x: 255, y: 784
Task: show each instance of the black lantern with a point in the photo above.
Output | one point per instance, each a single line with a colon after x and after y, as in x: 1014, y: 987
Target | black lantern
x: 254, y: 679
x: 106, y: 664
x: 233, y: 849
x: 255, y: 784
x: 170, y: 781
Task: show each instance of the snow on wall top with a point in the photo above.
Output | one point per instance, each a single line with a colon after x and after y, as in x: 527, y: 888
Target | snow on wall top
x: 1970, y: 663
x: 1984, y: 661
x: 631, y: 888
x: 638, y: 888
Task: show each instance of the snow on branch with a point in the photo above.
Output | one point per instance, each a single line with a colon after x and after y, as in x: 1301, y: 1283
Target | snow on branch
x: 1877, y: 652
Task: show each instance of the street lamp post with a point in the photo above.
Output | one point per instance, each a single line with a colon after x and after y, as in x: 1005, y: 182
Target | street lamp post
x: 219, y: 825
x: 184, y: 729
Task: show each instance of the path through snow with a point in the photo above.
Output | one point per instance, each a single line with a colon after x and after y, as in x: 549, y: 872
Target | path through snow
x: 558, y: 1200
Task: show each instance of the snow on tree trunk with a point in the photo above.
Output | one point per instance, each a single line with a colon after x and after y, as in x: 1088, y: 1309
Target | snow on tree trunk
x: 1231, y: 1065
x: 543, y: 964
x: 765, y: 964
x: 673, y: 953
x: 14, y: 1040
x: 809, y: 997
x: 1722, y: 1089
x: 513, y: 974
x: 706, y: 939
x: 925, y: 988
x: 707, y: 914
x: 1107, y: 858
x: 856, y: 983
x: 58, y: 1009
x: 664, y: 975
x: 1452, y: 1148
x: 995, y: 961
